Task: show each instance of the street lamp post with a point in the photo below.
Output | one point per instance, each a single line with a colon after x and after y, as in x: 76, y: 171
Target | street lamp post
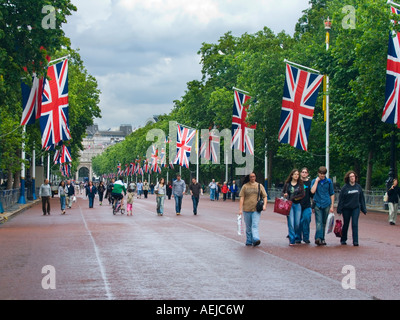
x: 328, y: 26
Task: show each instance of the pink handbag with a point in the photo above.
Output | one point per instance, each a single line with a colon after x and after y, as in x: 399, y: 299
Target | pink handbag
x: 282, y: 206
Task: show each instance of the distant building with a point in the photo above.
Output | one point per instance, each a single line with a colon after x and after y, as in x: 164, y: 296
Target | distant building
x: 95, y: 143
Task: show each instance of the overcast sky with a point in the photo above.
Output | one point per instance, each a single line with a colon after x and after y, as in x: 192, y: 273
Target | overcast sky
x: 143, y: 52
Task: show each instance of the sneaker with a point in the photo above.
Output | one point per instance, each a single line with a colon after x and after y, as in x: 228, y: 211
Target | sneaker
x: 256, y: 243
x: 318, y: 242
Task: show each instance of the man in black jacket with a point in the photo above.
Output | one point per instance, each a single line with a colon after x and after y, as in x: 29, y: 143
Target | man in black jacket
x: 70, y: 193
x: 195, y: 189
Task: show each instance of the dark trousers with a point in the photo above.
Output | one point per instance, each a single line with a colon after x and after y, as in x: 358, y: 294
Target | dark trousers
x: 195, y: 201
x: 91, y: 199
x: 352, y: 214
x: 46, y: 203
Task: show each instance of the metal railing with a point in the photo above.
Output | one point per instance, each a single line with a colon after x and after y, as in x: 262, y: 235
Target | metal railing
x: 9, y: 198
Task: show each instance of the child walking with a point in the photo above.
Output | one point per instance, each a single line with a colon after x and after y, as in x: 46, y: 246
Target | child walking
x: 129, y: 202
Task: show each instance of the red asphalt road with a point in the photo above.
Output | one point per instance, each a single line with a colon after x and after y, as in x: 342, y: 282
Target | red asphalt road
x: 97, y: 255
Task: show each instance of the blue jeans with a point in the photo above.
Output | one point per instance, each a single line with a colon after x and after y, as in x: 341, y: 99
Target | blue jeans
x: 195, y: 201
x: 160, y: 204
x: 178, y: 203
x: 62, y: 201
x: 293, y: 220
x: 352, y: 214
x: 321, y: 214
x: 252, y: 219
x: 305, y: 224
x: 212, y: 194
x: 91, y: 198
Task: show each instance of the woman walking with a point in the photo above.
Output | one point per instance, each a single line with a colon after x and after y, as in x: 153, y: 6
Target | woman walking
x: 294, y: 191
x: 351, y: 201
x: 160, y: 190
x: 90, y: 193
x: 62, y: 192
x: 249, y: 195
x: 100, y: 190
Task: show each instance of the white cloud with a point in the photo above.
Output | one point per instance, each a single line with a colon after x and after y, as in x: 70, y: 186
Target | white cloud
x: 144, y: 52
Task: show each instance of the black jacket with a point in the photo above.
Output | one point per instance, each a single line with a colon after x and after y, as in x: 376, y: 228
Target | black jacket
x: 393, y: 194
x: 351, y: 197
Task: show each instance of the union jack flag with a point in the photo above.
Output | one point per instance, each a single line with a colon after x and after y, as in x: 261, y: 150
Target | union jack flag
x: 54, y: 113
x: 240, y: 128
x: 154, y: 159
x: 185, y: 137
x: 299, y: 98
x: 146, y: 167
x: 31, y: 101
x: 63, y: 155
x: 391, y: 113
x: 209, y: 148
x: 119, y: 168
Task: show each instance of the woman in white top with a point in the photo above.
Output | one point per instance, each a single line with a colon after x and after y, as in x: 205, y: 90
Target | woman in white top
x: 62, y: 192
x: 161, y: 191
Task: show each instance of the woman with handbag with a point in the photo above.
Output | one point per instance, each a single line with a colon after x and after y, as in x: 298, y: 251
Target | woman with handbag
x: 294, y: 191
x: 351, y: 202
x: 250, y: 195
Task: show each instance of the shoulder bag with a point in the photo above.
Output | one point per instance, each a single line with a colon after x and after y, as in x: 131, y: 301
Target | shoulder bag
x: 260, y: 201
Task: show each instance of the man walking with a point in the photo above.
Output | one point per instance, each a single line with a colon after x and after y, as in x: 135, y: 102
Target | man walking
x: 213, y: 187
x: 44, y: 194
x: 70, y: 193
x: 178, y: 189
x: 324, y: 198
x: 195, y: 189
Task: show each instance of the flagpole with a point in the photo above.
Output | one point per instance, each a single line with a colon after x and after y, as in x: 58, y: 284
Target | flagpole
x: 197, y: 155
x: 34, y: 172
x: 63, y: 58
x: 22, y: 199
x: 328, y: 25
x: 301, y: 66
x: 393, y: 3
x: 237, y: 89
x: 48, y: 166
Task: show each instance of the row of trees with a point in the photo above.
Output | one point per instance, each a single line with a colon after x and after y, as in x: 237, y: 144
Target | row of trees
x: 355, y: 62
x: 30, y: 31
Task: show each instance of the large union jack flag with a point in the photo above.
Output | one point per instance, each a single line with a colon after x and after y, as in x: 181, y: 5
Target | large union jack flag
x: 299, y: 98
x: 209, y: 147
x: 54, y: 114
x: 391, y: 112
x: 31, y: 101
x: 240, y: 128
x: 185, y: 138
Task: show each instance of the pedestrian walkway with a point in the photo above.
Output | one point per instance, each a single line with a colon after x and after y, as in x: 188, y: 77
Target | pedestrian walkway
x: 97, y: 255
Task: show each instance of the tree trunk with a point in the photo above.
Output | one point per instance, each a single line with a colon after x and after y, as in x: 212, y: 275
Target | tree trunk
x: 369, y: 172
x: 9, y: 180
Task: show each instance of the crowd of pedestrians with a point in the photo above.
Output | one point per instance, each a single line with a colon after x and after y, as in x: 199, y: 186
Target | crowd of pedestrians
x: 308, y: 197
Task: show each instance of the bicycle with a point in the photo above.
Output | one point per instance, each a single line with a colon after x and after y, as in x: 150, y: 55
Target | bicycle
x: 117, y: 206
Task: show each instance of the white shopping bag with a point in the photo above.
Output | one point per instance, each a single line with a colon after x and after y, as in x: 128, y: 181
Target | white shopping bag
x: 239, y: 224
x: 73, y: 199
x: 330, y: 221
